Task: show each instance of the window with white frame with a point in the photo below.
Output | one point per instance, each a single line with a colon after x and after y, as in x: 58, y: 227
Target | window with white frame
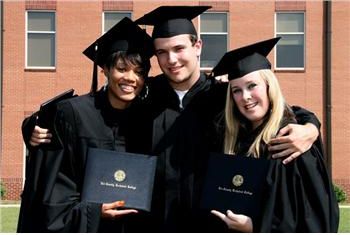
x: 213, y: 32
x: 290, y: 50
x: 41, y: 39
x: 110, y: 18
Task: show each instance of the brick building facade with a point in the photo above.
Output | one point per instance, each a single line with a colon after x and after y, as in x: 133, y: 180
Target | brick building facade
x: 78, y: 23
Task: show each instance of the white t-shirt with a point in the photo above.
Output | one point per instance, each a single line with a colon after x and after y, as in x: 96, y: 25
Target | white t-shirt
x: 181, y: 95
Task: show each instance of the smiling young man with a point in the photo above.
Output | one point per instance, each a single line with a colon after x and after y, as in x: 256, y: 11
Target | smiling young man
x: 178, y: 60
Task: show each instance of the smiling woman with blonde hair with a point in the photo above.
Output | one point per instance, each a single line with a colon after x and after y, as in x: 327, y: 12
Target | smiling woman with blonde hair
x: 299, y: 196
x: 277, y: 110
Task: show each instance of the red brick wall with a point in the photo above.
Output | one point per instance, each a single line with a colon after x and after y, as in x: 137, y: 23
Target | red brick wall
x: 117, y: 5
x: 13, y: 188
x: 216, y: 5
x: 40, y: 5
x: 12, y: 110
x: 340, y: 93
x: 290, y: 5
x: 79, y: 24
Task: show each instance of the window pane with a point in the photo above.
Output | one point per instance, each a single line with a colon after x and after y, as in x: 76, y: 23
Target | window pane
x: 213, y: 22
x: 41, y: 50
x: 214, y: 48
x: 111, y: 18
x: 41, y: 21
x: 290, y: 22
x: 290, y: 51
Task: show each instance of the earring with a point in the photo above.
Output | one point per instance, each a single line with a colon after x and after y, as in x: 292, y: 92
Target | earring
x: 106, y: 84
x: 144, y: 93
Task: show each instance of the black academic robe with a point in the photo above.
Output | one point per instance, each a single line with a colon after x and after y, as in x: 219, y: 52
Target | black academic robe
x: 83, y: 122
x: 41, y: 169
x: 178, y: 141
x: 299, y: 196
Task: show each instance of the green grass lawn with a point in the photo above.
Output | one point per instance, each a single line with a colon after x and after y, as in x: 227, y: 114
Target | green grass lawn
x: 8, y: 219
x: 9, y: 216
x: 344, y: 225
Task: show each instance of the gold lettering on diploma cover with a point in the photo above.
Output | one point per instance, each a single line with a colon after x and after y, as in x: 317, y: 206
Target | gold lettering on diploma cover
x: 237, y: 180
x: 119, y: 175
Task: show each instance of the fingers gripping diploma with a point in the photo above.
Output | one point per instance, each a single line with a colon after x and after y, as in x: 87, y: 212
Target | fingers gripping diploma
x: 111, y: 211
x: 40, y: 136
x: 292, y: 141
x: 234, y: 221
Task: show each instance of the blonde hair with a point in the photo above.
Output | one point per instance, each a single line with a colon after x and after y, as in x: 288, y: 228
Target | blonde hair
x: 271, y: 126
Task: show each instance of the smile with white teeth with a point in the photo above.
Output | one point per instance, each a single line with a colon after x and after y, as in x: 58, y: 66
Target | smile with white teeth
x: 126, y: 88
x: 175, y: 69
x: 250, y: 106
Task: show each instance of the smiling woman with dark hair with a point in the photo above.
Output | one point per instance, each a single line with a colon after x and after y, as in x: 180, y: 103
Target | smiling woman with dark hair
x: 107, y: 119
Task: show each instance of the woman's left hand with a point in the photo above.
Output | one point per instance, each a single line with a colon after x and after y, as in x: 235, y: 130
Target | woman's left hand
x: 236, y: 222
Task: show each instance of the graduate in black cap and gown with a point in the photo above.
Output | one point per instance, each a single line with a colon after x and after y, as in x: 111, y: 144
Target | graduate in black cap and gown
x: 299, y: 196
x: 177, y: 133
x: 107, y: 119
x: 184, y: 102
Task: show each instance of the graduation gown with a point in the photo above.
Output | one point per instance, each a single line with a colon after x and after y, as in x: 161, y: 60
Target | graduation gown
x: 299, y: 196
x: 41, y: 169
x: 178, y: 141
x: 84, y: 122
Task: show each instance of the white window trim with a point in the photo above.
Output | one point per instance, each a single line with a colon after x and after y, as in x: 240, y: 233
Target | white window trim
x: 103, y: 17
x: 214, y: 33
x: 290, y: 33
x: 211, y: 33
x: 41, y: 32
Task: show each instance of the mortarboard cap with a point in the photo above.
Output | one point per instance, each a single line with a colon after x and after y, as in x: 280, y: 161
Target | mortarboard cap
x: 244, y: 60
x: 169, y: 21
x: 124, y: 36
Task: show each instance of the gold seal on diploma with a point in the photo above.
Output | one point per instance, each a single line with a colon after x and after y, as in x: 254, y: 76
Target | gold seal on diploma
x: 237, y: 180
x: 119, y: 175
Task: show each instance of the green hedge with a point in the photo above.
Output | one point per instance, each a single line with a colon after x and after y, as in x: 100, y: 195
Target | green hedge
x: 340, y: 194
x: 2, y: 190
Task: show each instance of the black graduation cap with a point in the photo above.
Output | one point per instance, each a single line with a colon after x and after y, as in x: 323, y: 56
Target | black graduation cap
x: 244, y: 60
x: 124, y: 36
x: 170, y: 21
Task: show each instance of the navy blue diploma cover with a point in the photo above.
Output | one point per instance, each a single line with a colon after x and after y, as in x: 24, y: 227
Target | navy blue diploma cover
x: 234, y: 183
x: 112, y: 176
